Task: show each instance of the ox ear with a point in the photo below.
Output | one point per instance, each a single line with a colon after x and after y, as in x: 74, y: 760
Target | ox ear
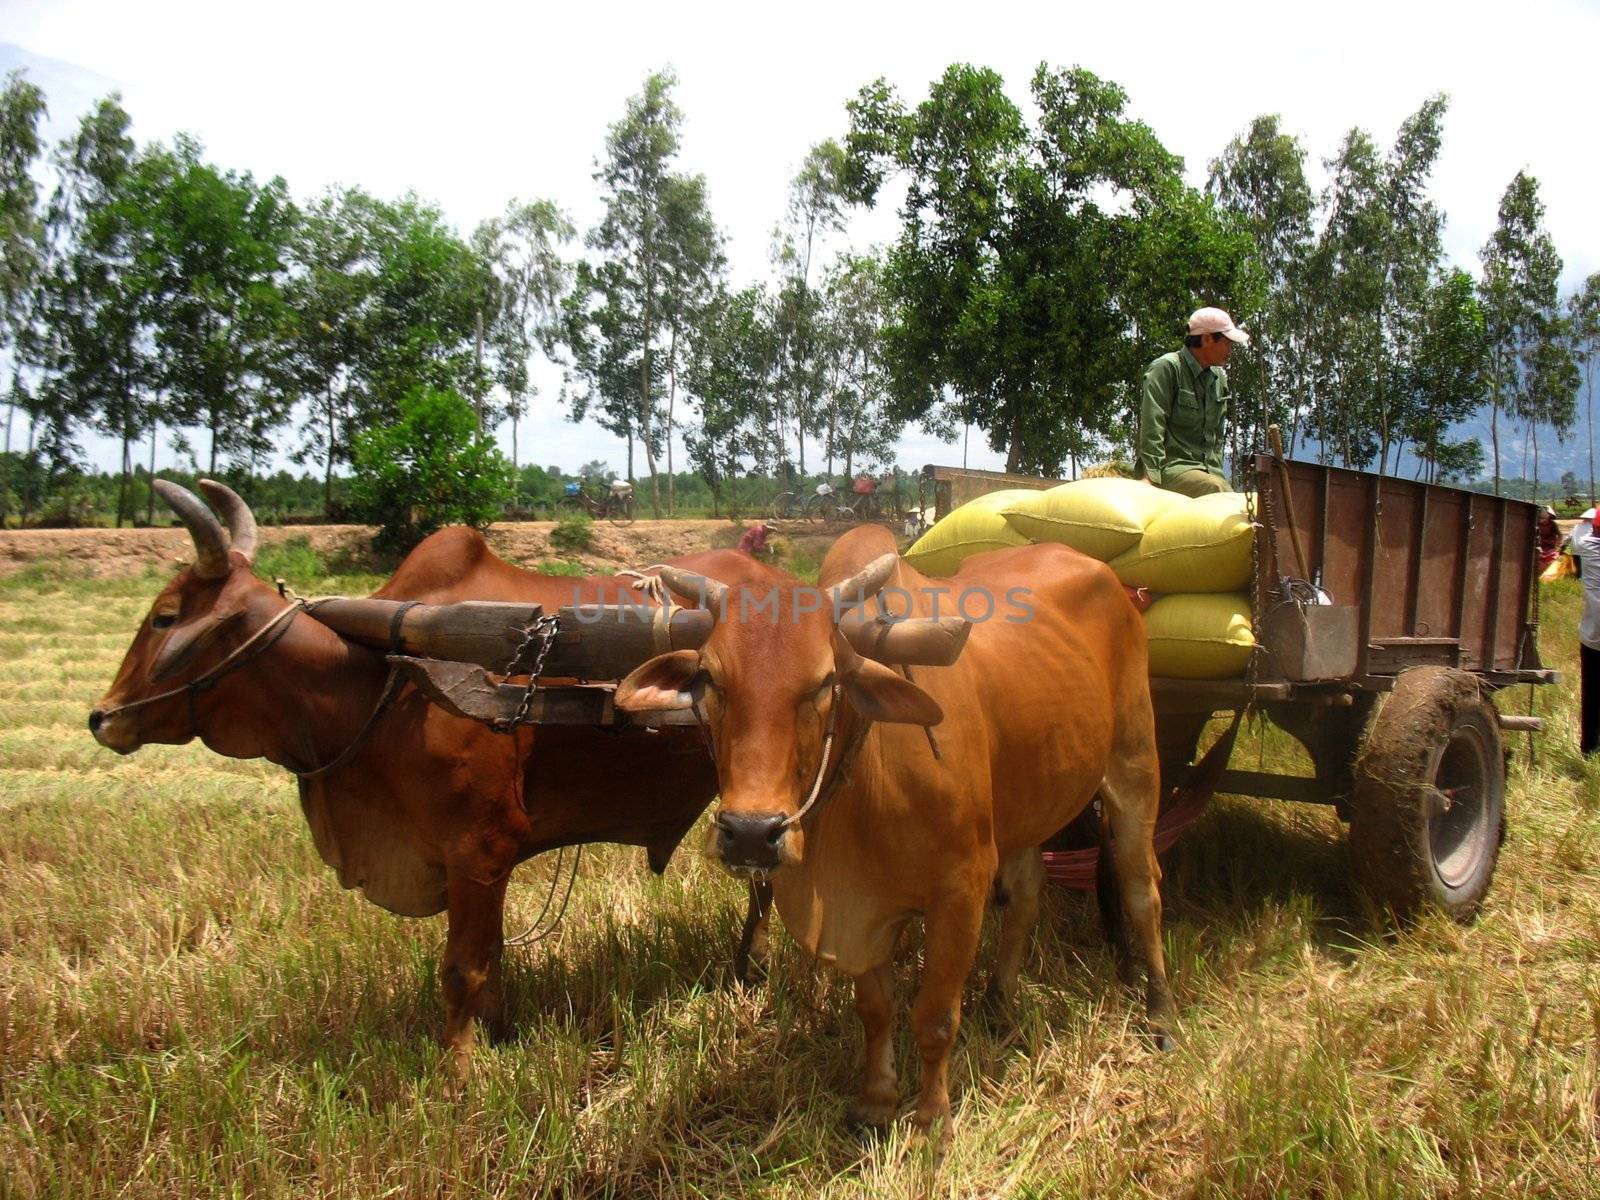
x: 880, y: 694
x: 660, y: 685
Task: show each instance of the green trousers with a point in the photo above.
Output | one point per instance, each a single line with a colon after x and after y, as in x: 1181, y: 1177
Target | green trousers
x: 1197, y: 483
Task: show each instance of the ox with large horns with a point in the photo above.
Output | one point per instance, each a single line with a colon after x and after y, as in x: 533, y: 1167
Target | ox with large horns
x: 424, y: 811
x: 833, y: 789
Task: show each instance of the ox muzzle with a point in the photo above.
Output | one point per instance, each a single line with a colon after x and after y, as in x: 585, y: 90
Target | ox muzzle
x: 753, y: 844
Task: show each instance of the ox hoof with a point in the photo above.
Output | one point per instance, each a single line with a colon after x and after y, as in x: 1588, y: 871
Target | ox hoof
x: 1165, y: 1040
x: 1000, y: 1004
x: 750, y: 972
x: 871, y: 1114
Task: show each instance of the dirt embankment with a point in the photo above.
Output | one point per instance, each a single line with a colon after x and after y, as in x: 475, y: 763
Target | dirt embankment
x: 112, y: 553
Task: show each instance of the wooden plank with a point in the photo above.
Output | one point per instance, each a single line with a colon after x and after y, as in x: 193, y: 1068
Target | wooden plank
x: 1300, y: 788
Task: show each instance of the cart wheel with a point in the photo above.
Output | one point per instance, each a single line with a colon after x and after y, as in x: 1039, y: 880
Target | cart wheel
x: 622, y: 511
x: 1428, y: 811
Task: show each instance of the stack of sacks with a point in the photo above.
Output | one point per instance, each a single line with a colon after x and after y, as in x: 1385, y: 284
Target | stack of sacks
x: 1194, y: 553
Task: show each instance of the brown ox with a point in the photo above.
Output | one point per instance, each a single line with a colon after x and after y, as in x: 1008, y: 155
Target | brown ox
x: 1038, y: 716
x: 432, y: 811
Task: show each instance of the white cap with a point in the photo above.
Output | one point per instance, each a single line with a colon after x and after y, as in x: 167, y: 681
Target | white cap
x: 1214, y: 320
x: 1588, y: 515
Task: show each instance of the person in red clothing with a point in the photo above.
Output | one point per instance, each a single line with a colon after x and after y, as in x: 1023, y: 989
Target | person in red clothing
x: 754, y: 541
x: 1549, y: 538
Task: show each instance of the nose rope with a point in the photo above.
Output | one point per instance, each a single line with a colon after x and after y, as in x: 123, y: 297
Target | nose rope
x: 822, y: 767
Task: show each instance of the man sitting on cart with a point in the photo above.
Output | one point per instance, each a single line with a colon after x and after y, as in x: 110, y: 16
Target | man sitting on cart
x: 1184, y: 407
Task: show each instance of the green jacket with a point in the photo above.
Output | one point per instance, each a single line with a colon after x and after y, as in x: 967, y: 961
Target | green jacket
x: 1181, y: 416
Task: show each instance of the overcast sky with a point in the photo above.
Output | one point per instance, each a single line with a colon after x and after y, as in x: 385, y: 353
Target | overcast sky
x: 471, y: 104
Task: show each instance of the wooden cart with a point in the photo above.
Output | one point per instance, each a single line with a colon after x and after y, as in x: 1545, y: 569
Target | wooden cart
x: 1434, y: 606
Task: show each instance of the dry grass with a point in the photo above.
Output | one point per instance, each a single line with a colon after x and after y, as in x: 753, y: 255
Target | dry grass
x: 189, y: 1006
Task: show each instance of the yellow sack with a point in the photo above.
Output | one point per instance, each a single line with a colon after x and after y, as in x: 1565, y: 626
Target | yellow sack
x: 1202, y: 545
x: 976, y: 525
x: 1099, y: 517
x: 1205, y: 636
x: 1561, y: 567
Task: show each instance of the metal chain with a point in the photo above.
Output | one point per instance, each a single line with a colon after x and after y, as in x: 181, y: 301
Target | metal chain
x: 546, y: 627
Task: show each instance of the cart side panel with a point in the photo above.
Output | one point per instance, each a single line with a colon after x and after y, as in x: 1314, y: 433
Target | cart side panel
x: 1440, y: 574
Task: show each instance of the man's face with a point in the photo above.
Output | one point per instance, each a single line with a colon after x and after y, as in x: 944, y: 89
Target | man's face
x: 1213, y: 350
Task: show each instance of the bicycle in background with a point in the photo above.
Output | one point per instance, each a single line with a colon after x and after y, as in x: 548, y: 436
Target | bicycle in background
x: 616, y: 506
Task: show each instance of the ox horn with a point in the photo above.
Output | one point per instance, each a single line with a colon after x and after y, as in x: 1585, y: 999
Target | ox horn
x: 241, y: 521
x: 863, y: 583
x: 907, y: 641
x: 702, y: 588
x: 210, y: 543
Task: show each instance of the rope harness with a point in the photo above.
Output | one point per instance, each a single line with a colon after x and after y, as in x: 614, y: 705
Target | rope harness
x: 257, y: 644
x: 251, y: 648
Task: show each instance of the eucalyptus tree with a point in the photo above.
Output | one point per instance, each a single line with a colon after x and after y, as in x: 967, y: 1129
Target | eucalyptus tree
x: 1368, y: 282
x: 528, y: 277
x: 730, y: 374
x: 1446, y: 374
x: 88, y: 335
x: 1532, y: 377
x: 331, y: 279
x: 859, y: 423
x: 1583, y: 314
x: 22, y: 107
x: 693, y: 271
x: 620, y: 319
x: 815, y: 210
x: 1260, y: 176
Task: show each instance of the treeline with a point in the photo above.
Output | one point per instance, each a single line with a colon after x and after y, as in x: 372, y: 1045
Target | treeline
x: 1041, y: 265
x: 147, y: 294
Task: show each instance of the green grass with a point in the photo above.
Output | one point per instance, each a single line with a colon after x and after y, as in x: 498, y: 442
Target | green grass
x: 190, y: 1006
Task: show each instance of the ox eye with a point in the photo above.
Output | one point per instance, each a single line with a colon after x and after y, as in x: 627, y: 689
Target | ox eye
x: 163, y: 620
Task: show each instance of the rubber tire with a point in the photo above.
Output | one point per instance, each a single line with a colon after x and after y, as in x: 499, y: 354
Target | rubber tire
x: 815, y: 509
x: 621, y: 512
x: 1435, y: 729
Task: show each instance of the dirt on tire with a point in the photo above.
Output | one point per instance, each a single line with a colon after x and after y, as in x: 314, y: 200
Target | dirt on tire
x: 1391, y: 841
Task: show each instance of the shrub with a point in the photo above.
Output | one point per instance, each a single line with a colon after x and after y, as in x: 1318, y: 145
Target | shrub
x: 573, y: 532
x: 293, y: 560
x: 429, y: 469
x: 556, y: 566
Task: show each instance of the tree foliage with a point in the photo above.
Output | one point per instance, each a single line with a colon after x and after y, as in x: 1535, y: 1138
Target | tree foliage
x: 428, y: 468
x: 1037, y: 268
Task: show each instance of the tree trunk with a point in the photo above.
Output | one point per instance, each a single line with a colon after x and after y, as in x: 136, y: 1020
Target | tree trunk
x: 672, y: 399
x: 1014, y: 446
x: 150, y: 504
x: 477, y: 366
x: 27, y: 481
x: 1494, y: 438
x: 1533, y: 435
x: 327, y: 471
x: 5, y: 476
x: 214, y: 422
x: 1589, y: 381
x: 127, y: 471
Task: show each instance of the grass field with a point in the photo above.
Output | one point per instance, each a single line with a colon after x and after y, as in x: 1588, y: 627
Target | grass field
x: 190, y: 1006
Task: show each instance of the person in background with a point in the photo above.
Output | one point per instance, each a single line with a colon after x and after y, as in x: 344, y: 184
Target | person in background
x: 1586, y: 551
x: 1184, y: 407
x: 1549, y: 538
x: 754, y: 541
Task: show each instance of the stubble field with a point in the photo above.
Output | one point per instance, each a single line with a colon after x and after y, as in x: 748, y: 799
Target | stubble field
x: 190, y: 1006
